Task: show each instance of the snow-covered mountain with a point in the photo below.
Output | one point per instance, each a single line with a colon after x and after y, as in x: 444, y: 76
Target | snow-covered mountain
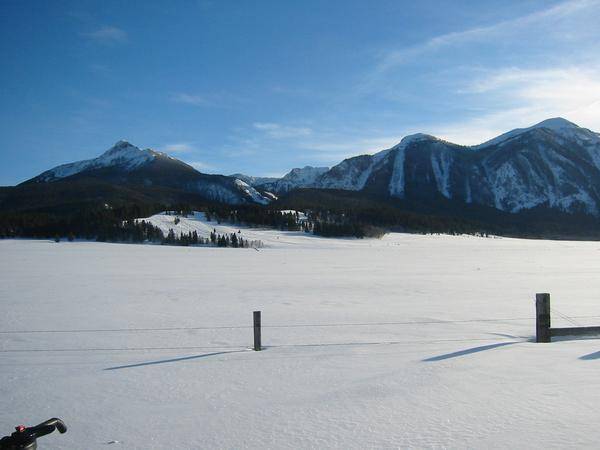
x: 554, y: 163
x: 295, y: 178
x: 253, y: 181
x: 123, y: 155
x: 127, y: 164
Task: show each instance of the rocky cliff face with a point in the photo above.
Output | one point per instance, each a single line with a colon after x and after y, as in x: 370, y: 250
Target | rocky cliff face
x: 554, y: 163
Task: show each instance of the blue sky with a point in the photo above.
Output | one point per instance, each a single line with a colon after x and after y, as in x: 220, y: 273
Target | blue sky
x: 263, y: 86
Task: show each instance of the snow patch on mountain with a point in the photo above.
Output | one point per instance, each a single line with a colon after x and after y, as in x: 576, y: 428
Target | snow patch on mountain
x: 562, y: 193
x: 440, y: 164
x: 217, y: 192
x: 270, y: 195
x: 251, y: 192
x: 229, y: 193
x: 296, y: 178
x: 352, y: 174
x: 306, y: 175
x: 396, y: 186
x: 253, y: 181
x: 508, y: 189
x: 468, y: 193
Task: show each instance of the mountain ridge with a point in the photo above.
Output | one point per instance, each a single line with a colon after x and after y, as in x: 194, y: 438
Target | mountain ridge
x: 552, y: 164
x: 126, y: 164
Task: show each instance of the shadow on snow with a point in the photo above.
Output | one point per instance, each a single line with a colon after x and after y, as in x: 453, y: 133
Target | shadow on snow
x: 591, y: 356
x: 165, y: 361
x: 468, y: 351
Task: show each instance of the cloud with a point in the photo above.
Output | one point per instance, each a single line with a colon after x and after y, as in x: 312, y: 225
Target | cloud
x: 514, y: 98
x: 107, y: 34
x: 201, y: 166
x: 100, y: 69
x: 301, y: 145
x: 225, y: 100
x: 187, y: 148
x: 189, y: 99
x: 344, y: 147
x: 279, y: 131
x: 490, y: 79
x: 293, y: 91
x: 178, y: 147
x: 493, y: 32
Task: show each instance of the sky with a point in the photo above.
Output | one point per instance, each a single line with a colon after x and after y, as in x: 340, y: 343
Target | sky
x: 260, y: 87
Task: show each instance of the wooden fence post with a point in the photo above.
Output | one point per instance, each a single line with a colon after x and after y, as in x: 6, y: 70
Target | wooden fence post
x: 542, y: 318
x: 257, y: 344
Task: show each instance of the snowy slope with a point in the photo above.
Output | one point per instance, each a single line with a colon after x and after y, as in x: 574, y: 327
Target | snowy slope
x: 122, y: 154
x: 195, y: 222
x: 127, y: 164
x: 558, y: 125
x: 295, y: 178
x: 203, y: 227
x: 416, y: 367
x: 251, y: 193
x: 352, y: 173
x: 253, y: 181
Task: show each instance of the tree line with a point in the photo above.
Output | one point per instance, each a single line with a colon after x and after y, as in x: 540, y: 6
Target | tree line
x: 106, y: 224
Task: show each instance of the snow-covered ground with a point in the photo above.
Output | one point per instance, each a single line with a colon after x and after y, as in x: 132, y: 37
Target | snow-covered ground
x: 199, y: 223
x: 418, y: 367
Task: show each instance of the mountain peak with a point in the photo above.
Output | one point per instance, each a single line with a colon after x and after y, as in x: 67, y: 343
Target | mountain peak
x: 296, y: 178
x: 122, y: 147
x: 126, y: 154
x: 417, y: 137
x: 556, y: 123
x: 122, y: 154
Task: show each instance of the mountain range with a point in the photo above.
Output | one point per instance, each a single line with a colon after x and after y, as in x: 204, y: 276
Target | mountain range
x: 554, y: 165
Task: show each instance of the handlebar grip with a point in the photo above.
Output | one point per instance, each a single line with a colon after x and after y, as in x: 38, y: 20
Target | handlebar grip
x: 54, y: 422
x: 25, y: 438
x: 39, y: 431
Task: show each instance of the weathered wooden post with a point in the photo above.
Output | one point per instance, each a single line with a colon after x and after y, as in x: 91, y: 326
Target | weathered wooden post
x: 542, y: 318
x: 257, y: 344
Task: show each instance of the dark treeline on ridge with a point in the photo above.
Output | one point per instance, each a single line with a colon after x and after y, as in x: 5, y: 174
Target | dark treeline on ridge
x: 328, y: 213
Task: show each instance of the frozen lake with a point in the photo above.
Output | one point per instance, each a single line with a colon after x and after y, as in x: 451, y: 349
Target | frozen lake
x: 405, y: 342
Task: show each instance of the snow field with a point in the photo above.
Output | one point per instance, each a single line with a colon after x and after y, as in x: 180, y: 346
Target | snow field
x: 392, y: 379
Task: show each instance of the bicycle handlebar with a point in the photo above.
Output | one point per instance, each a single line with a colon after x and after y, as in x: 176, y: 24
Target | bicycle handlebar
x: 26, y: 438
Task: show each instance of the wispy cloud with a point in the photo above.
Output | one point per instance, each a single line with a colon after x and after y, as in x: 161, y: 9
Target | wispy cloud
x: 178, y: 147
x: 202, y: 166
x: 303, y: 145
x: 190, y: 99
x: 211, y: 99
x: 517, y: 97
x: 100, y: 69
x: 188, y: 150
x: 332, y: 148
x: 509, y: 28
x: 500, y: 76
x: 280, y: 131
x: 107, y: 34
x: 293, y: 91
